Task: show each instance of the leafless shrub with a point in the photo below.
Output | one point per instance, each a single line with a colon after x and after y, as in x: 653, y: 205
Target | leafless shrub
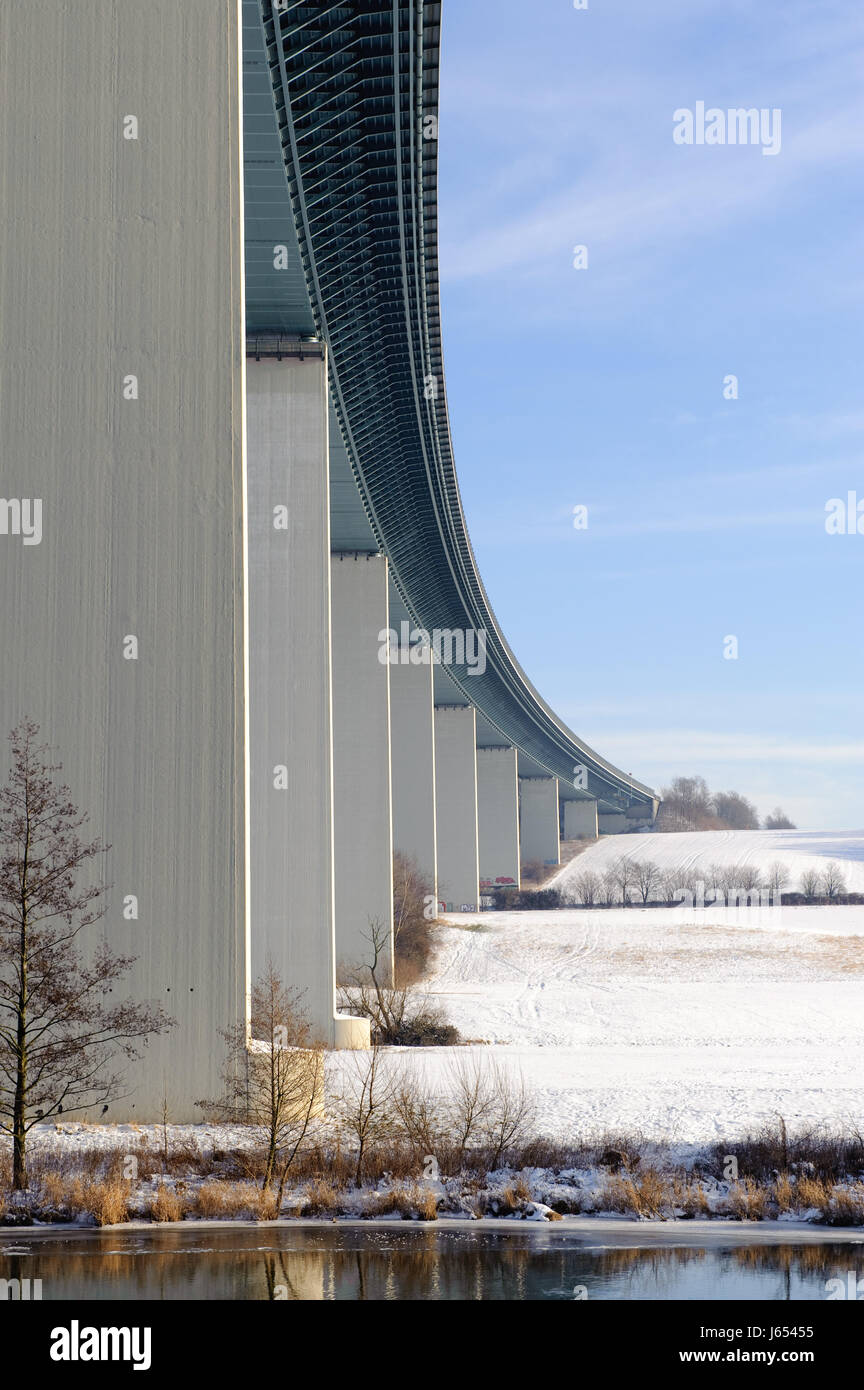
x: 399, y: 1017
x: 510, y: 1119
x: 364, y: 1102
x: 588, y: 887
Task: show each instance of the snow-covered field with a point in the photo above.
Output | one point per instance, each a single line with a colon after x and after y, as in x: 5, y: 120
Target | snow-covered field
x: 798, y: 850
x: 679, y: 1026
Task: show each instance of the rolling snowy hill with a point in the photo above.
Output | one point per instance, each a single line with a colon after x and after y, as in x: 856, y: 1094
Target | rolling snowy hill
x: 798, y: 850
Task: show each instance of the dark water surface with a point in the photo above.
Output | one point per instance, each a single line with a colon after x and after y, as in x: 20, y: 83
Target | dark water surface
x: 426, y: 1262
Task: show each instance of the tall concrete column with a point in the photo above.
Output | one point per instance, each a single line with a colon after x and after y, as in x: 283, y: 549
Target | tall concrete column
x: 538, y: 820
x: 290, y: 733
x: 121, y: 623
x: 498, y: 817
x: 580, y: 820
x: 412, y: 744
x: 456, y: 805
x: 362, y: 818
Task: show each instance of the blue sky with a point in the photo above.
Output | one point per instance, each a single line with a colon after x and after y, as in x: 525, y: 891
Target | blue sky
x: 604, y: 387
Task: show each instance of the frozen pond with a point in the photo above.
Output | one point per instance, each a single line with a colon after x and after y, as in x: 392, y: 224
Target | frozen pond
x: 454, y: 1261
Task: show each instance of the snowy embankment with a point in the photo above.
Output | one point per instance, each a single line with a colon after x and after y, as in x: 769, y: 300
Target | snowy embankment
x: 682, y: 1027
x: 797, y: 850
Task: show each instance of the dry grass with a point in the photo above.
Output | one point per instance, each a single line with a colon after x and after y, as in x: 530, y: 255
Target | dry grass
x: 748, y: 1200
x: 167, y: 1205
x: 846, y: 1206
x: 646, y: 1194
x: 107, y: 1201
x: 812, y: 1192
x: 689, y: 1197
x: 217, y: 1201
x: 412, y: 1203
x: 323, y: 1197
x: 693, y: 953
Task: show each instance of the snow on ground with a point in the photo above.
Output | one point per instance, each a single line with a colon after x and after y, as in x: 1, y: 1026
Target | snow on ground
x: 681, y: 1027
x: 798, y: 850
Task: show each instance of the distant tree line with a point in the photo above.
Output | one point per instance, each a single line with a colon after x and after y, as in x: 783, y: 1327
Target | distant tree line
x: 689, y: 804
x: 630, y: 882
x: 642, y: 883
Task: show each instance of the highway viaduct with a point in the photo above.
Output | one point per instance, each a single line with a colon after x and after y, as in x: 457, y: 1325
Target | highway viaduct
x: 222, y: 376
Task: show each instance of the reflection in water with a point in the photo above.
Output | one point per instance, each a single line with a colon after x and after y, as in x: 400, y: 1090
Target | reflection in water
x: 412, y: 1262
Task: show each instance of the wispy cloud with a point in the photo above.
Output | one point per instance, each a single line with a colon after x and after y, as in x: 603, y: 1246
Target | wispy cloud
x: 695, y: 747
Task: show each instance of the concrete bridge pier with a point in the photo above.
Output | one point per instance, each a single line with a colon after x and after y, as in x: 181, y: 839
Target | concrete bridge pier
x: 362, y: 810
x: 290, y: 722
x: 412, y: 745
x: 580, y: 820
x: 456, y: 803
x: 539, y: 820
x: 498, y: 817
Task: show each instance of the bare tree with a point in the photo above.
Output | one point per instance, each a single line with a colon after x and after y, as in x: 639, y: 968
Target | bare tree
x: 470, y: 1100
x: 399, y: 1016
x: 686, y: 804
x: 777, y: 876
x: 646, y: 876
x: 811, y: 883
x: 672, y: 885
x: 57, y: 1035
x: 510, y: 1120
x: 734, y: 810
x: 778, y: 820
x: 363, y: 1103
x: 415, y: 911
x: 749, y: 878
x: 624, y: 879
x: 740, y: 878
x: 273, y: 1077
x: 418, y: 1113
x: 832, y: 881
x: 716, y: 876
x: 588, y: 887
x: 610, y: 887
